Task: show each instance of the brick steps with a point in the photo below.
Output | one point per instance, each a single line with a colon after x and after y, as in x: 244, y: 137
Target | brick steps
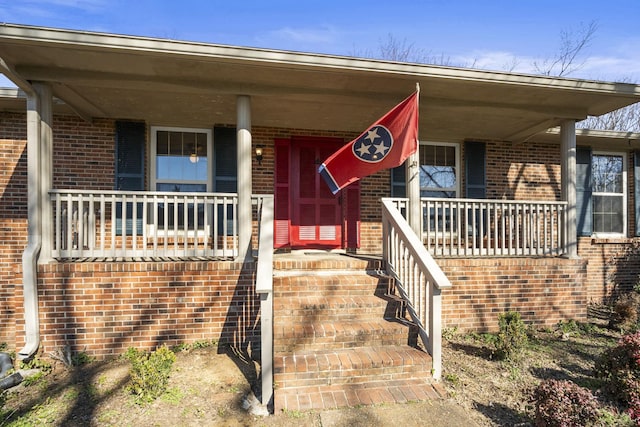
x: 335, y: 308
x: 372, y: 393
x: 341, y: 337
x: 339, y: 334
x: 351, y: 366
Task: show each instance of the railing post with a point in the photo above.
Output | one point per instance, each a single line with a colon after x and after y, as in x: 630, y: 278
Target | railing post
x: 264, y: 287
x: 435, y: 330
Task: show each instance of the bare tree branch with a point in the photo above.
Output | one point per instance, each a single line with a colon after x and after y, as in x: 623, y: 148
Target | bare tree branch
x: 571, y: 46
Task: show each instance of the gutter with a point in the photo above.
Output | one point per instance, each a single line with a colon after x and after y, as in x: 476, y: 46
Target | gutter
x: 34, y: 229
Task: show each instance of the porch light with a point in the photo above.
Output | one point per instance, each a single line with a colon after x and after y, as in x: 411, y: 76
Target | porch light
x: 193, y: 158
x: 259, y: 154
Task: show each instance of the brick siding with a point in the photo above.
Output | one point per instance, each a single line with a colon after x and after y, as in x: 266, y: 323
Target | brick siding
x: 544, y: 291
x: 104, y: 308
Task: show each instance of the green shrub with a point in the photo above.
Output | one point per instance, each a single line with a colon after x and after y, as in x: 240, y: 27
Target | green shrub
x: 149, y: 373
x: 619, y: 367
x: 563, y: 403
x: 512, y: 337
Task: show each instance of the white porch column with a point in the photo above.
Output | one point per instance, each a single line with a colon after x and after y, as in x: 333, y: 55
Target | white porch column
x: 46, y: 167
x: 413, y: 193
x: 245, y: 186
x: 568, y: 182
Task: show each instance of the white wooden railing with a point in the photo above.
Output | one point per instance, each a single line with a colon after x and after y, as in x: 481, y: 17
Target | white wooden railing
x: 480, y: 227
x: 128, y: 224
x: 418, y: 278
x: 264, y: 288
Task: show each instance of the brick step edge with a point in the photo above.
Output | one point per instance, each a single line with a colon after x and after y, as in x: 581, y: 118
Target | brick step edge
x: 372, y: 393
x: 316, y: 302
x: 339, y: 330
x: 336, y: 308
x: 341, y: 360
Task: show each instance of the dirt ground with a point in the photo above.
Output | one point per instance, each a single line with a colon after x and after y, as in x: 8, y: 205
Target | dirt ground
x: 208, y: 386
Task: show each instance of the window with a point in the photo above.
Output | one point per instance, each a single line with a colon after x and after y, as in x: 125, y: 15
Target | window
x: 439, y: 172
x: 439, y: 169
x: 181, y: 159
x: 608, y: 180
x: 181, y: 163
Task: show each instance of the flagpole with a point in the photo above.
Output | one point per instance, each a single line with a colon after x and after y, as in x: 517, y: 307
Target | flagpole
x: 413, y: 183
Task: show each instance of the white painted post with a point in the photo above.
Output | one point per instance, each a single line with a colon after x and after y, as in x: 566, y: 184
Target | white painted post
x: 244, y: 176
x: 568, y: 182
x: 414, y: 211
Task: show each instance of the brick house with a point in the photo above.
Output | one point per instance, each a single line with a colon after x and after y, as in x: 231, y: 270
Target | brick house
x: 145, y: 184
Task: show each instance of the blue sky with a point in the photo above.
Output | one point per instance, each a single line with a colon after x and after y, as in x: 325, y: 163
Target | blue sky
x: 490, y: 34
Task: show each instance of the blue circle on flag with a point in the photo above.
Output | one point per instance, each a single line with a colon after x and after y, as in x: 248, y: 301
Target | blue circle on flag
x: 373, y: 145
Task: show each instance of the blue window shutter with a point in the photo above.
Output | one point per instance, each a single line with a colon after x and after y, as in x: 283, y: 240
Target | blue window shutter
x: 130, y: 143
x: 584, y: 208
x: 398, y: 181
x: 636, y: 181
x: 225, y: 178
x: 475, y: 170
x: 129, y: 169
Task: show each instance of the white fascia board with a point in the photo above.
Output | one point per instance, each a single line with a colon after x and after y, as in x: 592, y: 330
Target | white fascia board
x: 90, y: 40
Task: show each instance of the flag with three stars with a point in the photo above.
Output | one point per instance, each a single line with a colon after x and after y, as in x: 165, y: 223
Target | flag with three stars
x: 385, y: 144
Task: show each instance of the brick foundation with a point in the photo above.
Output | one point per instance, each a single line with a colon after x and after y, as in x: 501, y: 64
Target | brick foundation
x: 544, y: 291
x: 104, y: 308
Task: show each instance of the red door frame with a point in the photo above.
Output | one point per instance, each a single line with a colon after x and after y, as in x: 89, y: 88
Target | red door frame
x: 287, y: 191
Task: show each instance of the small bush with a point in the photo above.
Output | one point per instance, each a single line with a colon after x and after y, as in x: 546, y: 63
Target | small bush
x: 634, y: 411
x: 563, y: 403
x: 149, y: 373
x: 512, y: 337
x: 626, y: 312
x: 619, y: 367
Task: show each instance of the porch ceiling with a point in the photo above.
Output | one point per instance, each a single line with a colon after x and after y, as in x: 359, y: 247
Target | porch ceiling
x: 171, y: 82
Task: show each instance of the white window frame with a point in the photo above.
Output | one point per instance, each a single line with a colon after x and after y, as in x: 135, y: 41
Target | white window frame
x: 456, y: 145
x: 625, y: 191
x: 153, y: 181
x: 154, y: 153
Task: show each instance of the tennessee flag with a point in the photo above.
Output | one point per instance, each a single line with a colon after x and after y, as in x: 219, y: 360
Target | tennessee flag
x: 384, y: 145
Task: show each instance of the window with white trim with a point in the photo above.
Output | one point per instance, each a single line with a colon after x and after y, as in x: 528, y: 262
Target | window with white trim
x: 180, y: 159
x: 609, y: 198
x: 181, y: 162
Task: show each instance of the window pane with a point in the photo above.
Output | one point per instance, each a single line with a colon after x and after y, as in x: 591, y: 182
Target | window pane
x: 438, y: 170
x: 183, y: 188
x: 608, y: 214
x: 181, y: 156
x: 162, y: 143
x: 607, y: 173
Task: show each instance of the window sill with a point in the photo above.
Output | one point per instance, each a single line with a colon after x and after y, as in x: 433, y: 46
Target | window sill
x: 612, y: 240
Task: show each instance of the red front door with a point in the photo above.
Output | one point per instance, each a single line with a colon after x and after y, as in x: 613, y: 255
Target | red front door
x: 307, y: 215
x: 316, y: 215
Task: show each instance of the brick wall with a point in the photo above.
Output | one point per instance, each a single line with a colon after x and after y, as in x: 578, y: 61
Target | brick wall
x: 614, y: 266
x: 104, y: 308
x: 543, y: 290
x: 13, y: 216
x: 527, y: 171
